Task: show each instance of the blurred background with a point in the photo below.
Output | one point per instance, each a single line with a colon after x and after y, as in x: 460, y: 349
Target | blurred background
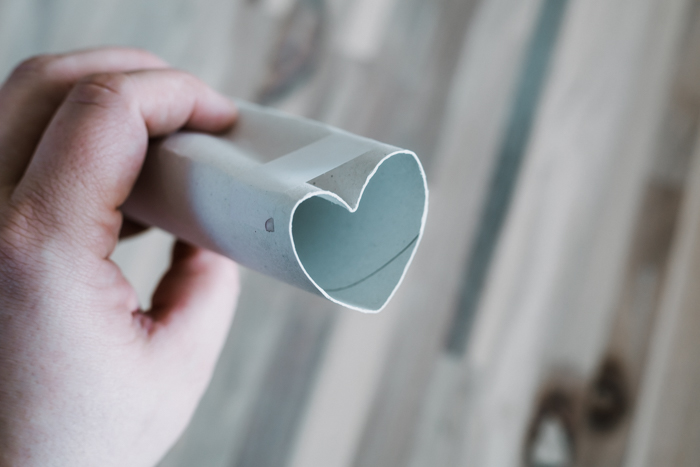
x: 551, y: 316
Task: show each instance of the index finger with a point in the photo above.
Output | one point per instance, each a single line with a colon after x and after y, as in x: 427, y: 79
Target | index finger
x: 36, y: 88
x: 91, y: 153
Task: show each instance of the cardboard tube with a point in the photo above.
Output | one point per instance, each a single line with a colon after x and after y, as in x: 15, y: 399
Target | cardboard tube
x: 319, y: 208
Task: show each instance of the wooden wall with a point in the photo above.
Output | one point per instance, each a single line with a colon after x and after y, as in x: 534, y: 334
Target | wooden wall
x: 551, y: 316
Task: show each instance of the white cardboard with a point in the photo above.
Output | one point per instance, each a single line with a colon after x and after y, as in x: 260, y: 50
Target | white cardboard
x: 317, y: 207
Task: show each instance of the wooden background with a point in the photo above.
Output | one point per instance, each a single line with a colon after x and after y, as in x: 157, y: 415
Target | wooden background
x: 552, y: 314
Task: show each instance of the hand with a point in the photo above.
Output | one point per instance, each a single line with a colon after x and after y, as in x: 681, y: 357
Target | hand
x: 86, y: 377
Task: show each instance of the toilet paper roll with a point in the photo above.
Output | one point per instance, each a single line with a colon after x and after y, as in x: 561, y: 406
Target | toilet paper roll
x: 317, y: 207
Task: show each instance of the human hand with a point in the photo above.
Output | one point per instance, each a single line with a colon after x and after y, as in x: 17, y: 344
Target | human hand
x: 86, y: 377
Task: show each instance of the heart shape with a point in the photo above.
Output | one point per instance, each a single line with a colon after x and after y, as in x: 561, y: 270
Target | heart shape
x: 319, y: 208
x: 358, y: 255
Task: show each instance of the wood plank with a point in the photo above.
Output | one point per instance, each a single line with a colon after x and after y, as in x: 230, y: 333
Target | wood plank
x: 665, y: 430
x: 509, y: 159
x: 479, y: 105
x: 223, y: 418
x: 613, y: 393
x: 663, y: 426
x: 547, y: 312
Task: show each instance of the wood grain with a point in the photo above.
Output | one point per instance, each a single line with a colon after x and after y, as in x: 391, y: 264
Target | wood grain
x: 580, y: 342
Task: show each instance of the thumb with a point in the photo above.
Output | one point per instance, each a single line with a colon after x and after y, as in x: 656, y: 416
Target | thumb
x: 192, y: 308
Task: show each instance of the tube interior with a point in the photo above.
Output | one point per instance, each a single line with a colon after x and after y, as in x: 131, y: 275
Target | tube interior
x: 358, y: 258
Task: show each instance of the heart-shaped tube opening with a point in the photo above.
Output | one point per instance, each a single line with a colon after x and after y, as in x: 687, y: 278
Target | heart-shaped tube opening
x: 359, y: 258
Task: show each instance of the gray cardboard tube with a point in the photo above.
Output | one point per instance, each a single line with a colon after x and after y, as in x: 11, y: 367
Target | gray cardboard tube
x: 319, y: 208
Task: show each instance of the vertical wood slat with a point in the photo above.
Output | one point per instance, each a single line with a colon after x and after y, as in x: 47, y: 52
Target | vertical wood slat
x: 612, y: 400
x: 283, y: 393
x: 17, y: 41
x: 525, y: 104
x: 445, y: 411
x: 547, y: 310
x: 479, y: 103
x: 219, y: 426
x: 665, y: 429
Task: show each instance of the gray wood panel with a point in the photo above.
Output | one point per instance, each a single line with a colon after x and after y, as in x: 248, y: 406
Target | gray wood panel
x: 560, y: 141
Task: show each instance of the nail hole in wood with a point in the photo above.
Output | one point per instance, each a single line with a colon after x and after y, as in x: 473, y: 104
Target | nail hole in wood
x: 607, y: 403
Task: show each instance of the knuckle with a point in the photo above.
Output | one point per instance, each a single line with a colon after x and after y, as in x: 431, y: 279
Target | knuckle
x: 39, y: 65
x: 103, y: 90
